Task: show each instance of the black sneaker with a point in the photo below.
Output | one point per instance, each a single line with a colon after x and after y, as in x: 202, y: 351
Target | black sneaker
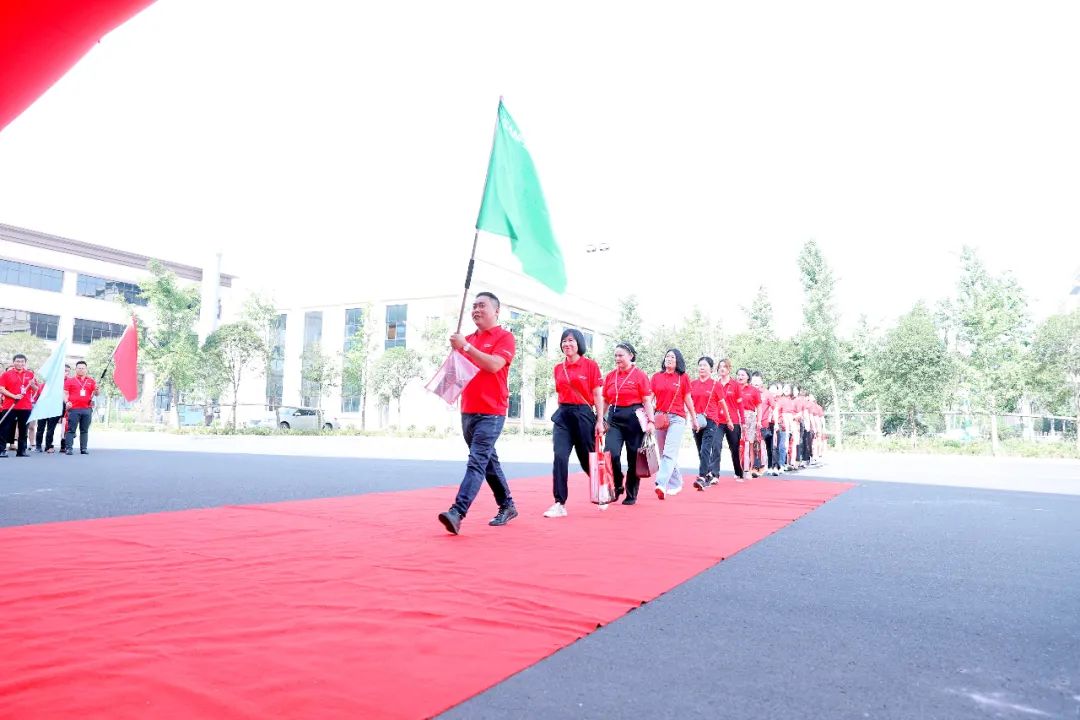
x: 3, y: 453
x: 629, y: 501
x: 701, y: 483
x: 506, y: 514
x: 84, y: 452
x: 68, y: 451
x: 451, y: 520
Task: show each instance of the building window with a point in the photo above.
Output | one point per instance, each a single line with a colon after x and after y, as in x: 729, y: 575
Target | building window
x: 540, y: 410
x: 275, y: 377
x: 31, y: 276
x: 354, y: 327
x: 514, y: 411
x: 588, y: 341
x: 542, y: 340
x: 102, y: 289
x: 87, y: 331
x: 310, y: 392
x: 354, y: 324
x: 396, y: 316
x: 37, y: 324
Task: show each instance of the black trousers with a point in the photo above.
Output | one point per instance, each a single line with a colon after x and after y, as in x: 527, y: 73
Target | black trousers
x: 46, y: 429
x: 732, y: 434
x: 770, y: 452
x: 16, y: 419
x: 575, y: 429
x: 78, y: 418
x: 625, y: 430
x: 708, y: 449
x: 804, y: 449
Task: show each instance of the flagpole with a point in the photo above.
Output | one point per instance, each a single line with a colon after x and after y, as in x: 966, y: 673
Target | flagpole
x: 476, y: 235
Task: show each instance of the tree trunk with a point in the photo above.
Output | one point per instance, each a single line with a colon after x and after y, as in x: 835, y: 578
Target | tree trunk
x: 914, y: 428
x: 174, y: 410
x: 235, y: 394
x: 995, y: 447
x: 363, y: 412
x: 877, y: 420
x: 839, y: 421
x: 399, y: 421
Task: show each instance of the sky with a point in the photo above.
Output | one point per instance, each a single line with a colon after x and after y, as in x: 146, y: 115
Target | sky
x: 331, y: 149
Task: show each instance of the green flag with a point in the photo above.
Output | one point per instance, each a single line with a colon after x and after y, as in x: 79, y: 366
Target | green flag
x: 513, y: 206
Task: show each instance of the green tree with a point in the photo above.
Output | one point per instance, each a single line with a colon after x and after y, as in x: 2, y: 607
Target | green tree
x: 260, y: 311
x: 912, y: 369
x: 434, y: 340
x: 629, y: 328
x: 34, y: 348
x: 171, y: 349
x: 698, y: 335
x: 820, y: 344
x: 992, y: 324
x: 529, y: 330
x: 759, y: 316
x: 1056, y: 354
x: 318, y: 374
x: 99, y: 357
x: 356, y: 364
x: 232, y: 351
x: 393, y: 372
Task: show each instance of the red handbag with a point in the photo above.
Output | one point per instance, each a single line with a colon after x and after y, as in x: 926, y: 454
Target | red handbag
x: 601, y: 475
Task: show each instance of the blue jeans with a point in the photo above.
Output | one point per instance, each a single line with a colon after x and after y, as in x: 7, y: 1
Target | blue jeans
x: 783, y: 447
x: 481, y: 432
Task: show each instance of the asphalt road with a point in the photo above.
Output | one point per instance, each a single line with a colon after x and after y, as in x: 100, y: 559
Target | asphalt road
x: 892, y: 601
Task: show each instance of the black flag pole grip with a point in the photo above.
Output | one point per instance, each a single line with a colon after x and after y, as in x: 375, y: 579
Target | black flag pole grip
x: 468, y: 281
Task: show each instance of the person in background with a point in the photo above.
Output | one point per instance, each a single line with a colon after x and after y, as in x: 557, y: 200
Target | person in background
x: 767, y: 421
x: 671, y: 390
x: 732, y: 431
x: 749, y: 400
x: 801, y: 403
x: 79, y: 392
x: 578, y: 420
x: 484, y: 403
x: 785, y: 407
x: 817, y: 426
x: 701, y: 391
x: 15, y: 401
x: 626, y: 391
x: 794, y: 430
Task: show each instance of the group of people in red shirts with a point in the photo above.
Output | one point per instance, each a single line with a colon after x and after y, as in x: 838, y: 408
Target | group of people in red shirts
x: 768, y: 431
x: 20, y: 391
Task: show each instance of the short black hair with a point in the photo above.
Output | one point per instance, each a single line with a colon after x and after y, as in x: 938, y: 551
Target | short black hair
x: 745, y: 370
x: 81, y: 362
x: 680, y: 364
x: 707, y: 359
x: 494, y: 298
x: 628, y: 348
x: 757, y: 373
x: 16, y: 356
x: 579, y: 338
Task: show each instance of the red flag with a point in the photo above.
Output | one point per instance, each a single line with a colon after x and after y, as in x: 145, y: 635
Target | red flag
x: 125, y: 362
x: 41, y: 39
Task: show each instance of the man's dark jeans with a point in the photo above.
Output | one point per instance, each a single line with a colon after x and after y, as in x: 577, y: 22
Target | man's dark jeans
x: 481, y: 432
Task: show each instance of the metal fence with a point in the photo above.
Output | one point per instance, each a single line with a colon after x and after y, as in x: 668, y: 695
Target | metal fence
x: 957, y: 426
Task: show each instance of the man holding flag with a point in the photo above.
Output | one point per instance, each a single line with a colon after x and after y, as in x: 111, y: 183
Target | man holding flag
x: 15, y: 404
x: 512, y: 206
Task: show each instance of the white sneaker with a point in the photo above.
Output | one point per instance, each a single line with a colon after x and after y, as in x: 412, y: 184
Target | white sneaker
x: 673, y: 491
x: 556, y: 510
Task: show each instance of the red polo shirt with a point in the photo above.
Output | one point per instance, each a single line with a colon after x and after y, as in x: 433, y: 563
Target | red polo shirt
x: 749, y: 398
x: 768, y: 404
x: 800, y: 404
x: 623, y: 389
x: 80, y: 391
x: 730, y: 392
x: 575, y: 382
x: 701, y: 392
x: 15, y: 381
x: 489, y: 392
x: 670, y: 390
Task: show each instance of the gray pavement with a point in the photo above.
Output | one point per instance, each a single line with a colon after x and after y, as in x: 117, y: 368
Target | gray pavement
x: 931, y: 598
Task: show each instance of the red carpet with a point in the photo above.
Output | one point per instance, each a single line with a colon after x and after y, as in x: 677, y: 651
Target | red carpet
x: 344, y: 607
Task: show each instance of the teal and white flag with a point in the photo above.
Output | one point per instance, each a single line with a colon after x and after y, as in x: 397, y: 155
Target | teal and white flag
x: 50, y: 403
